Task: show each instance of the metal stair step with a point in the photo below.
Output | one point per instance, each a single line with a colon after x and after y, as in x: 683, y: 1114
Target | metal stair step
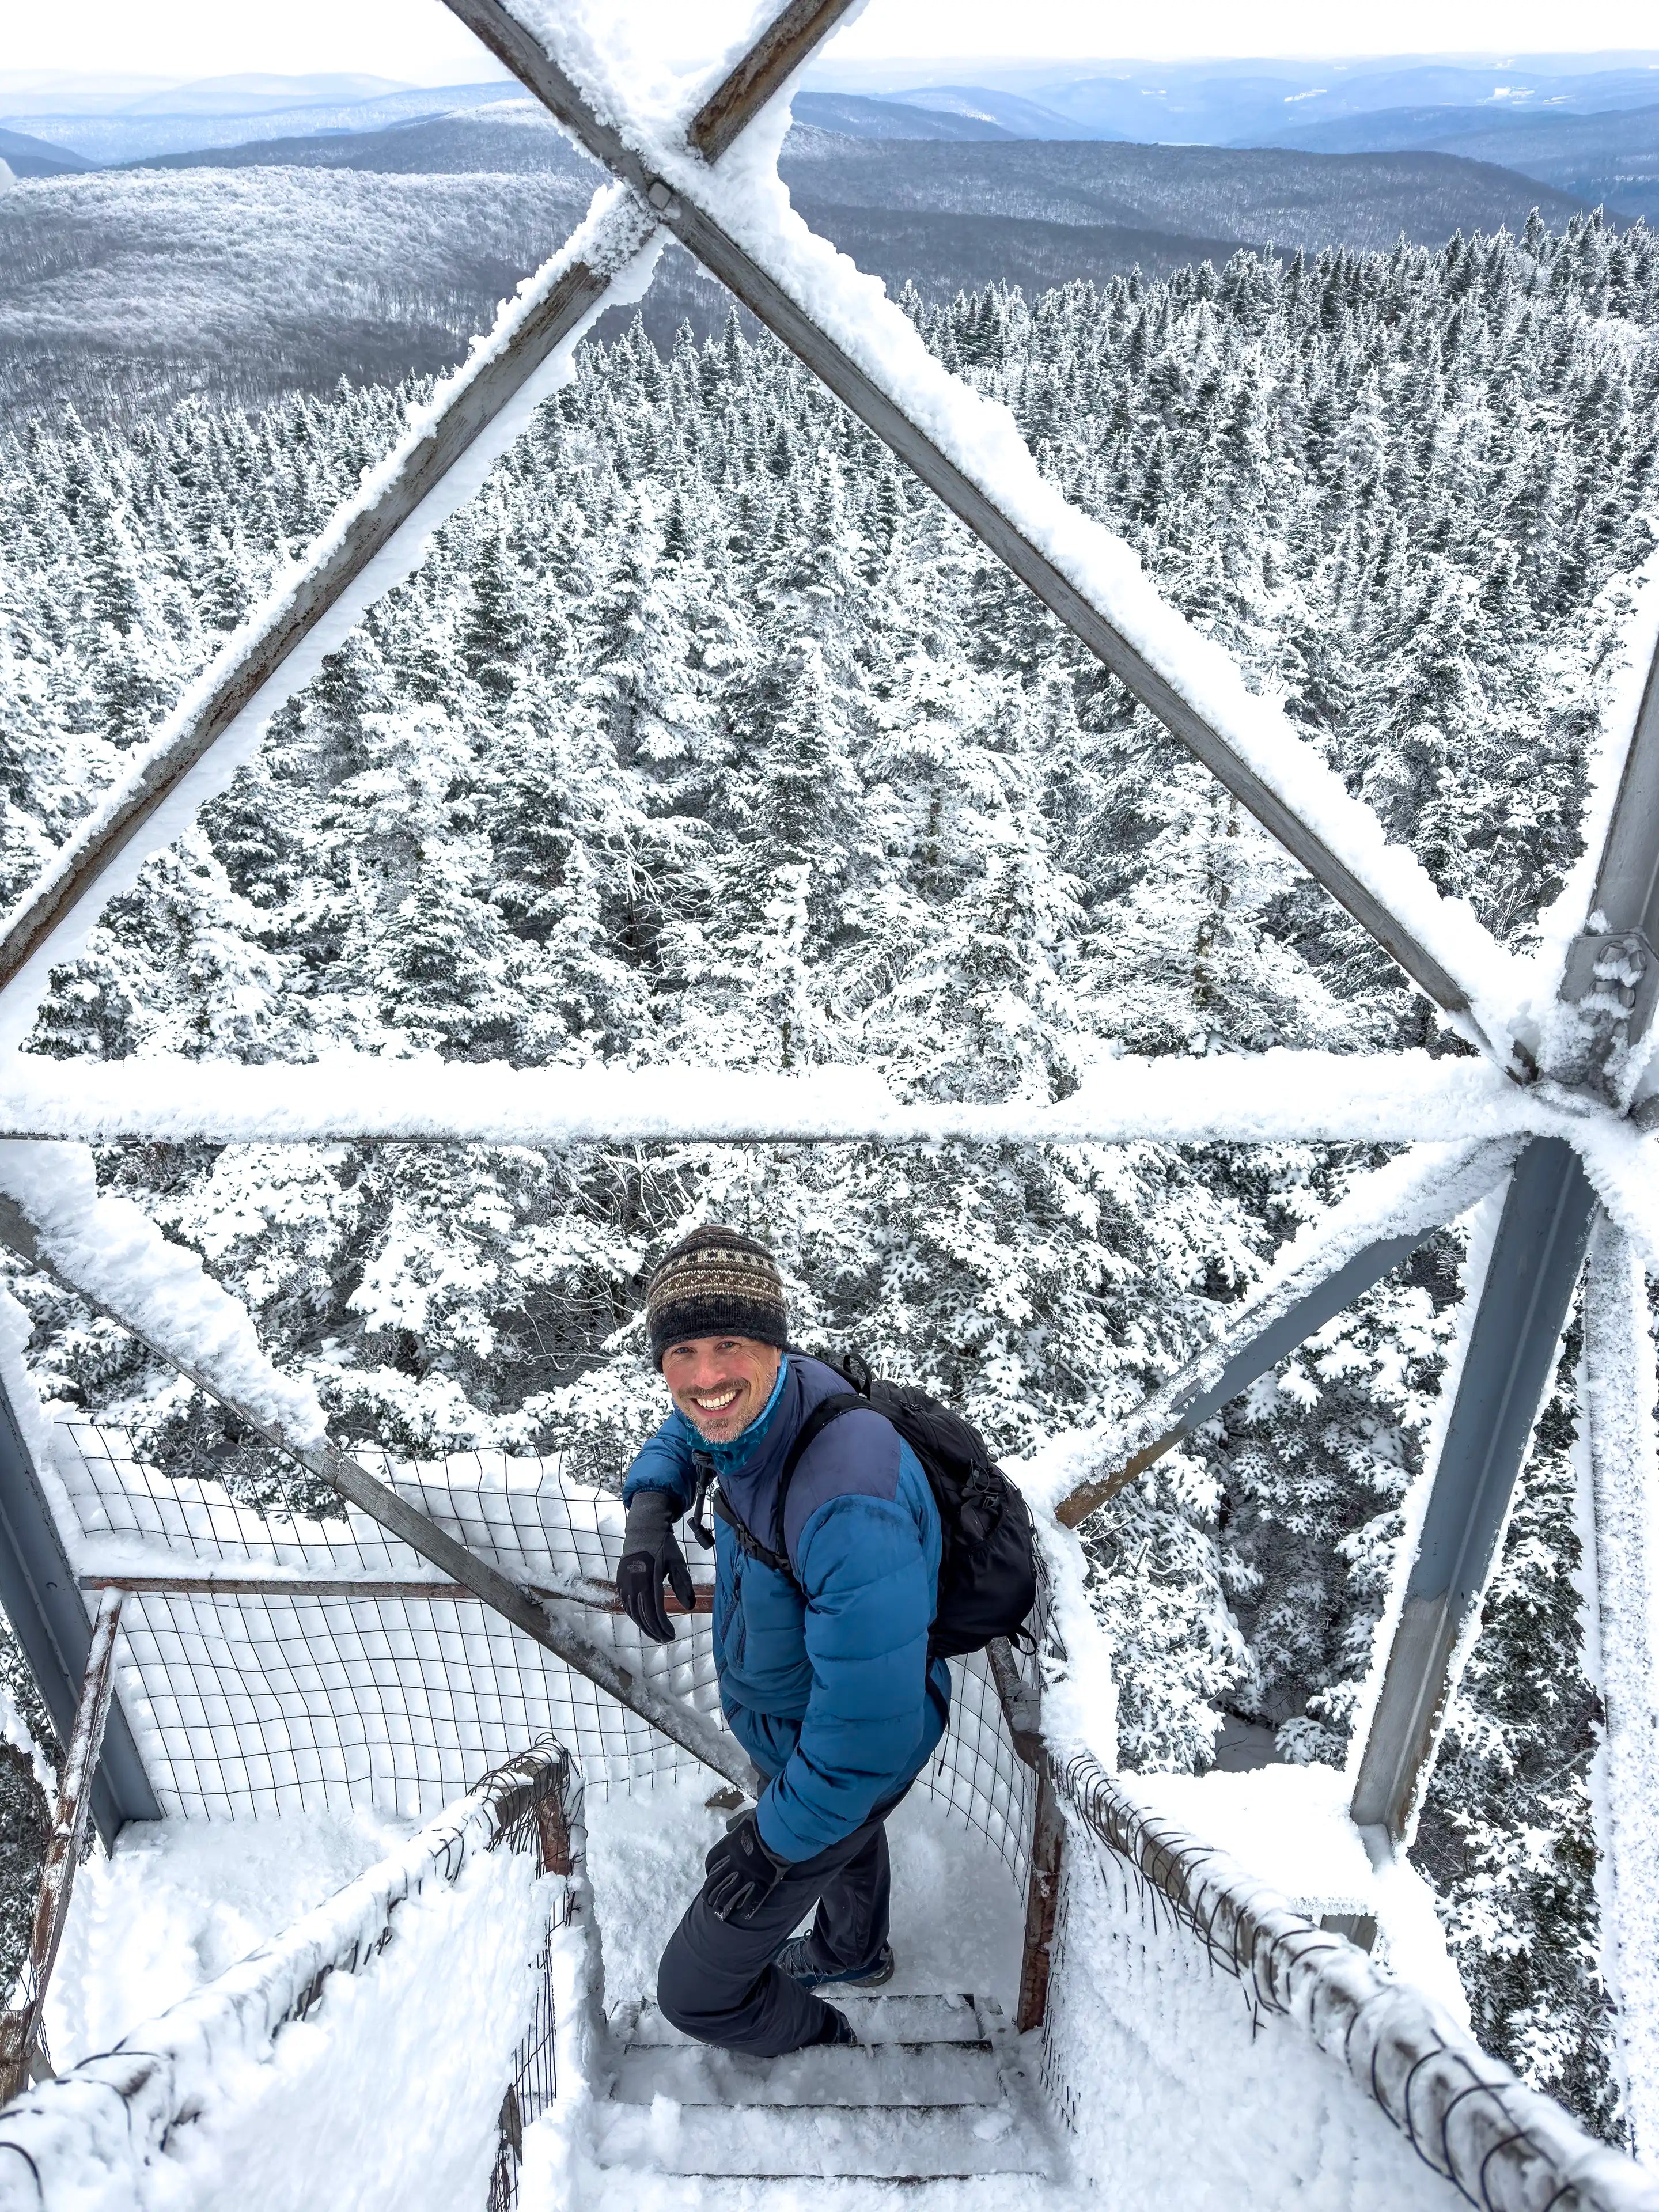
x: 874, y: 2019
x: 761, y: 2142
x: 896, y: 2073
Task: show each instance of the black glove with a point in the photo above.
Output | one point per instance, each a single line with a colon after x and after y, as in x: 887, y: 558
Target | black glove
x: 741, y: 1872
x: 650, y: 1551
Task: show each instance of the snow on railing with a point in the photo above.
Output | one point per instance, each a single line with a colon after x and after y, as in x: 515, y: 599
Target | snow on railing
x: 1297, y: 2063
x: 311, y: 2062
x: 1206, y: 2043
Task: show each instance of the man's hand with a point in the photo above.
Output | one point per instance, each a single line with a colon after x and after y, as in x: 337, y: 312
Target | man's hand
x: 742, y: 1872
x: 650, y: 1551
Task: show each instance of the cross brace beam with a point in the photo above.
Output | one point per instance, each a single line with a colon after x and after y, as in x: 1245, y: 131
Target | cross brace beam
x: 703, y: 235
x: 1513, y: 1345
x: 379, y: 536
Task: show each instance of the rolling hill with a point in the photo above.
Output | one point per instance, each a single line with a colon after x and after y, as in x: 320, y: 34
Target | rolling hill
x: 277, y: 266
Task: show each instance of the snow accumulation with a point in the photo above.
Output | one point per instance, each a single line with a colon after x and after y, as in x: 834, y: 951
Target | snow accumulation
x: 387, y: 2092
x: 744, y: 194
x: 180, y: 1901
x: 1289, y: 1824
x: 616, y: 241
x: 111, y: 1250
x: 1271, y: 1097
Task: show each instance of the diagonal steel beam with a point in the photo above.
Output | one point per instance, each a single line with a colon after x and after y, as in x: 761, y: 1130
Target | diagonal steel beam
x: 48, y: 1617
x: 553, y: 1627
x: 1606, y: 1002
x: 1289, y: 1309
x: 1513, y: 1346
x: 1610, y: 985
x: 374, y: 541
x: 687, y: 215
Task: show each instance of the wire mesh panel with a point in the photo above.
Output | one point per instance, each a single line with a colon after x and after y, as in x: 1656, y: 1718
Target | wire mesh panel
x: 977, y: 1775
x: 250, y: 1702
x: 253, y: 1702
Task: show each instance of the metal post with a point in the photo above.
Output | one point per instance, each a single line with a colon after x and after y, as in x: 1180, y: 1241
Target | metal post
x: 1512, y: 1351
x: 21, y: 2037
x: 1623, y: 1587
x: 48, y: 1617
x: 1042, y: 1903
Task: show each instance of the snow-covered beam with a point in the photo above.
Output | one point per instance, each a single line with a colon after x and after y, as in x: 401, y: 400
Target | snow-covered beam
x: 735, y: 218
x: 46, y: 1613
x: 376, y: 539
x: 1602, y: 1034
x: 1324, y: 1271
x: 1597, y: 1042
x: 1509, y: 1361
x: 1273, y: 1097
x: 1621, y: 1578
x: 111, y: 1254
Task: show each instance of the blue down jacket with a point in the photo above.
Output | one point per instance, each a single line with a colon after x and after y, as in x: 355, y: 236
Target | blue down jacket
x: 832, y: 1697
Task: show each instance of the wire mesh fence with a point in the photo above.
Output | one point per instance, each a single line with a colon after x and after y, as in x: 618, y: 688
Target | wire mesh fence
x: 280, y: 1652
x: 553, y: 1830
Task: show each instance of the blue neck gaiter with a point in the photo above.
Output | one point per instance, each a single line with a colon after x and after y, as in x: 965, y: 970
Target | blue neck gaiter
x: 729, y: 1458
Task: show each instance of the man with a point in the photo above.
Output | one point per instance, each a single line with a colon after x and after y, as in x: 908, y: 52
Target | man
x: 824, y: 1666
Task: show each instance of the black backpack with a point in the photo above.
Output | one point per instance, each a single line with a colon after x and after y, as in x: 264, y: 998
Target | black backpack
x: 988, y: 1563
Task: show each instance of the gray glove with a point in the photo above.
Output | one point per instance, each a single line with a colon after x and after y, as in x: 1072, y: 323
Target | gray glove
x: 650, y: 1551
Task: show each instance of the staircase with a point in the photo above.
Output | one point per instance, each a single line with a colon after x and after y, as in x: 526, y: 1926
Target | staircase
x: 931, y: 2095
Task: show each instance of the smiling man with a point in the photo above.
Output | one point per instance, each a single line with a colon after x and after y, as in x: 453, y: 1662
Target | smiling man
x: 821, y: 1616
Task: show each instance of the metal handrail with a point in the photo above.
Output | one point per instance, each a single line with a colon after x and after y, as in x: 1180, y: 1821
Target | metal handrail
x: 1506, y: 2147
x: 117, y: 2109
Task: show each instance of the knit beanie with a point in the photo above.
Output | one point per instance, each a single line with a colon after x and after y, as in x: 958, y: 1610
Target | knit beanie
x: 716, y: 1282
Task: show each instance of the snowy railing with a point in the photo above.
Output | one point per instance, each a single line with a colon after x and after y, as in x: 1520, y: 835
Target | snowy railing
x: 1152, y: 1929
x: 1194, y: 2018
x: 213, y: 2095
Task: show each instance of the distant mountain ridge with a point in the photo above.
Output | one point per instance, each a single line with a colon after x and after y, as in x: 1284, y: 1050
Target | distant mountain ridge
x: 110, y: 139
x: 27, y: 156
x: 1607, y: 159
x: 852, y: 115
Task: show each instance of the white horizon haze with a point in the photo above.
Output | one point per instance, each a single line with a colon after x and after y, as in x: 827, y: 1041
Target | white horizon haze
x: 419, y: 42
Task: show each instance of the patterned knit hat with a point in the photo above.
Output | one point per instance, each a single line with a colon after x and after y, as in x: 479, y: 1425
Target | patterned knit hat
x: 716, y: 1282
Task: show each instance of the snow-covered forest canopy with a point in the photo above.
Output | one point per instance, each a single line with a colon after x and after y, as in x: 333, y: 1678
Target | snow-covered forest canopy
x: 704, y: 735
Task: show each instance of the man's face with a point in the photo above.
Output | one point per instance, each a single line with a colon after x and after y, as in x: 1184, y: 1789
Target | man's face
x: 721, y: 1382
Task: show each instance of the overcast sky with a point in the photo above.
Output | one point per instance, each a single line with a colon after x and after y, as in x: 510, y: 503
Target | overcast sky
x: 420, y: 41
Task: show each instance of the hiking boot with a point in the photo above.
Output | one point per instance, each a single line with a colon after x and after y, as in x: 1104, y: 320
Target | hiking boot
x: 795, y: 1959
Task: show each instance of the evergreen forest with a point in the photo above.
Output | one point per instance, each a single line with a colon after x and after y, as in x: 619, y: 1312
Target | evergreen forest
x: 704, y: 735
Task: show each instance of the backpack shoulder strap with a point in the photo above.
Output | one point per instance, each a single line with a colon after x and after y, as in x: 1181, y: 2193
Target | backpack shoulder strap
x: 826, y: 1410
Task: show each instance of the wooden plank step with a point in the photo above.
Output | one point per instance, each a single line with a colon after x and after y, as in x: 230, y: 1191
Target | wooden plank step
x: 763, y: 2142
x: 874, y: 2019
x: 899, y: 2074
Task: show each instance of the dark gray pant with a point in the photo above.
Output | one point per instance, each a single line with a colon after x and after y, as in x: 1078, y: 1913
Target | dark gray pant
x: 717, y: 1982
